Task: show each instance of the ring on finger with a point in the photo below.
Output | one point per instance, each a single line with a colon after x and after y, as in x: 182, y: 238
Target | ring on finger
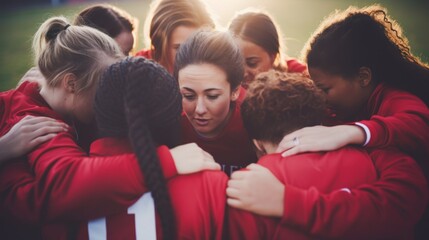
x: 295, y: 141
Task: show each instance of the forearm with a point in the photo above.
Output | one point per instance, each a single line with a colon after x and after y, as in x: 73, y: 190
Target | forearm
x: 389, y: 208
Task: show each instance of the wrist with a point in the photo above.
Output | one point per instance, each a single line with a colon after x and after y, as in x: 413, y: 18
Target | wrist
x: 356, y: 134
x: 279, y: 209
x: 6, y: 151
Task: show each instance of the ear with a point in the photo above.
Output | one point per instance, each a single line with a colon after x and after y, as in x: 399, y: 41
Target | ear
x: 259, y: 145
x: 365, y: 76
x: 273, y: 58
x: 235, y: 94
x: 69, y: 82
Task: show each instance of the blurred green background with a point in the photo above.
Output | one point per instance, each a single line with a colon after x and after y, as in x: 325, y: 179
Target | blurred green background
x: 296, y: 18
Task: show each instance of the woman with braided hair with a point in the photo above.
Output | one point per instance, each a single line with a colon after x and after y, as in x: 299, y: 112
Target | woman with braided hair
x: 58, y: 181
x: 138, y: 107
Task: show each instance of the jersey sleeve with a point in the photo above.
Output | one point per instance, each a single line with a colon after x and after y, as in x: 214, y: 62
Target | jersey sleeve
x: 63, y: 183
x: 402, y: 121
x: 389, y: 208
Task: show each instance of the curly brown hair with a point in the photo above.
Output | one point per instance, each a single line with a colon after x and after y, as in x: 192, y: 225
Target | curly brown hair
x: 278, y: 103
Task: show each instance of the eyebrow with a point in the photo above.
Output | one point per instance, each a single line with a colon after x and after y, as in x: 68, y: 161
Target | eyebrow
x: 206, y: 90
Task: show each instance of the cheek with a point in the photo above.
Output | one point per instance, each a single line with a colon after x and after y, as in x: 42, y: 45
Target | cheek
x: 264, y: 66
x: 220, y: 108
x: 188, y: 107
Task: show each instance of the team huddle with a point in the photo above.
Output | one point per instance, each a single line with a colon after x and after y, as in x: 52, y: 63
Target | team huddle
x: 216, y: 134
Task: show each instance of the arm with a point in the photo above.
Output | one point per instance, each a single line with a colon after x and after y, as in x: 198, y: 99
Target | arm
x: 400, y: 121
x: 70, y: 185
x: 395, y: 202
x: 389, y: 208
x: 27, y: 134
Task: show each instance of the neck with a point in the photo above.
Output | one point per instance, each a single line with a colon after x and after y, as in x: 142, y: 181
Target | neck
x: 56, y: 99
x: 269, y: 147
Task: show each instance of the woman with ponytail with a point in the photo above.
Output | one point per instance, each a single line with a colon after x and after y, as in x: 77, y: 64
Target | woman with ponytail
x: 138, y: 107
x: 59, y: 181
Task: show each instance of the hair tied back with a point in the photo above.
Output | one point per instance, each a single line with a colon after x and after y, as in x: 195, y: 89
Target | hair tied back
x: 54, y: 31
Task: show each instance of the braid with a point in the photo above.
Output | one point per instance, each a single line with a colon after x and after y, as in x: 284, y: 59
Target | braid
x: 143, y: 97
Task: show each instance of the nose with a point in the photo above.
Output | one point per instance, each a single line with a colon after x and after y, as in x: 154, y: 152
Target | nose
x: 248, y: 75
x: 200, y: 109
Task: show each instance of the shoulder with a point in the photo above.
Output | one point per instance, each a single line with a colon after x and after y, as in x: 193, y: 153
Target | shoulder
x: 293, y: 65
x: 147, y: 53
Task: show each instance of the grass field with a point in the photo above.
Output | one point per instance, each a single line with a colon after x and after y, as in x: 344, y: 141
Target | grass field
x: 297, y: 19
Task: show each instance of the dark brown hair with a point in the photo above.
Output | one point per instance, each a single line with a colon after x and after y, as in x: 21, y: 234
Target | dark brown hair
x: 137, y: 98
x: 213, y: 47
x: 260, y: 29
x: 106, y: 18
x: 278, y: 103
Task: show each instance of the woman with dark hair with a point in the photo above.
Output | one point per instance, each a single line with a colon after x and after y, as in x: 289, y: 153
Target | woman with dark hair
x: 32, y: 131
x: 209, y: 68
x: 260, y: 41
x: 169, y: 24
x: 137, y: 108
x: 113, y: 21
x: 57, y: 180
x: 278, y: 103
x: 361, y: 60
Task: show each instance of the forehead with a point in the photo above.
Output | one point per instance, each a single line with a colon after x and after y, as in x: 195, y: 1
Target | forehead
x: 181, y: 33
x: 249, y: 48
x: 202, y: 77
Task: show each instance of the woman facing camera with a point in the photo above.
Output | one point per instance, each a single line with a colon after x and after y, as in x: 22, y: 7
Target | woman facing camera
x: 209, y: 68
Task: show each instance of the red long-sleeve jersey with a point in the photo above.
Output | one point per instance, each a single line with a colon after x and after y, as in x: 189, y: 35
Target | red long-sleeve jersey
x: 339, y: 170
x: 198, y: 201
x: 232, y: 148
x: 61, y: 181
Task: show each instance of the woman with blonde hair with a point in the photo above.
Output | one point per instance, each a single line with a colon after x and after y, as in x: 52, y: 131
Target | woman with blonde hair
x: 59, y: 181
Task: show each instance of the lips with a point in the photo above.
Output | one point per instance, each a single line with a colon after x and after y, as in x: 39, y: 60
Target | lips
x: 201, y: 121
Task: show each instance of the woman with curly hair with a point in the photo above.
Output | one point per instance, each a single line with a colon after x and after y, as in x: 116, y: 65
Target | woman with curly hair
x: 278, y: 103
x: 361, y: 60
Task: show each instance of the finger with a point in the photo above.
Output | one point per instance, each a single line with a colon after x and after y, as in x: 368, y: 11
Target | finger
x: 208, y: 165
x: 235, y: 184
x: 233, y: 193
x: 39, y: 140
x: 295, y: 150
x: 285, y: 144
x: 47, y: 130
x: 234, y: 203
x: 237, y: 175
x: 255, y: 167
x: 37, y: 119
x: 208, y: 156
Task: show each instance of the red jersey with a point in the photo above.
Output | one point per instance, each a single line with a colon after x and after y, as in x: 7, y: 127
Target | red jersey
x: 294, y: 66
x: 399, y: 119
x: 325, y: 172
x: 386, y: 209
x: 61, y: 181
x: 147, y: 53
x: 198, y: 201
x: 232, y: 148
